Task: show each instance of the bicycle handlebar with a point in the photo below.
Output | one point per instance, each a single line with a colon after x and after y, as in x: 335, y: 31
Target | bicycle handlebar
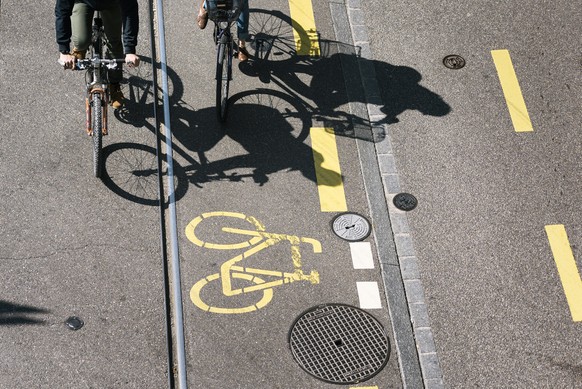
x: 82, y: 64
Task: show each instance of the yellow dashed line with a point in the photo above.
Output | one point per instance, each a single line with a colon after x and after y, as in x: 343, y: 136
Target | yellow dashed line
x: 512, y: 91
x: 566, y: 268
x: 330, y: 185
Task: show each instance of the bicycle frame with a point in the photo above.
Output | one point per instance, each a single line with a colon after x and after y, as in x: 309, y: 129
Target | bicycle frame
x: 95, y: 76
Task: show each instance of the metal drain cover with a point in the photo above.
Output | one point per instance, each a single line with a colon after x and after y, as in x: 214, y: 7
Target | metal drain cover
x: 339, y: 344
x: 74, y: 323
x: 351, y: 226
x: 405, y: 201
x: 454, y: 61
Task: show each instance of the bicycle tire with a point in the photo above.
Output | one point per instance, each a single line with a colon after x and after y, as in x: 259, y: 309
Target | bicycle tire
x: 223, y: 66
x: 97, y: 125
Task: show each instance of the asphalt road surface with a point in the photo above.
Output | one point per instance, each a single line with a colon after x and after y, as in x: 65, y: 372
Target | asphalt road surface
x: 492, y: 249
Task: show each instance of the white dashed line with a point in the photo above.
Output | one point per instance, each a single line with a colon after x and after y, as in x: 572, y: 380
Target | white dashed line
x: 369, y: 295
x: 362, y: 255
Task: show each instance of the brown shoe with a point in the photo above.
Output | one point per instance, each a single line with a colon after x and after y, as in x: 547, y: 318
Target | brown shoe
x: 243, y: 54
x: 202, y: 18
x: 78, y: 54
x: 115, y: 96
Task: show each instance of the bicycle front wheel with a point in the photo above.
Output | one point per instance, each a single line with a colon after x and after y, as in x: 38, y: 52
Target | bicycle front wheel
x: 97, y: 124
x: 223, y: 72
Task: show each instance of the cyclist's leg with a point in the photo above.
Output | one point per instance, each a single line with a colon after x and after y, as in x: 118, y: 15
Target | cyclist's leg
x: 81, y: 21
x: 242, y: 27
x: 113, y: 28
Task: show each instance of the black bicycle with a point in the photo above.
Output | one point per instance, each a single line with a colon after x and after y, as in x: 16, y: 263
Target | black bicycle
x: 224, y: 14
x: 97, y: 97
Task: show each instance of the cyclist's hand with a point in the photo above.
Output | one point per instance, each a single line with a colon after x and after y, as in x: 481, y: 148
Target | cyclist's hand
x: 67, y: 60
x: 131, y: 60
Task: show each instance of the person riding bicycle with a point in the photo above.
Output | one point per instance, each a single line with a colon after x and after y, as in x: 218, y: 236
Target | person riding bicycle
x: 74, y: 23
x: 242, y: 25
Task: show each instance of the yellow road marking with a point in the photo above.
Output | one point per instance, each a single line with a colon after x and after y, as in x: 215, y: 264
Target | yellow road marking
x: 195, y: 295
x: 306, y: 37
x: 217, y: 246
x: 567, y: 269
x: 512, y: 91
x: 260, y: 240
x: 330, y: 185
x: 364, y: 387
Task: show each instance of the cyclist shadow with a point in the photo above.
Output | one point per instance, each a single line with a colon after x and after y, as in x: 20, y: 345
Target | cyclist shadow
x: 326, y: 83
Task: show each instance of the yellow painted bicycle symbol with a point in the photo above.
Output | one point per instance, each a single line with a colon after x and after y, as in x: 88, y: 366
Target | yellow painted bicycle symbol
x: 256, y: 240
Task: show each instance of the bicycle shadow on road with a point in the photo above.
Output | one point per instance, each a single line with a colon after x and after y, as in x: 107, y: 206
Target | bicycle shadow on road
x: 262, y: 122
x: 265, y: 123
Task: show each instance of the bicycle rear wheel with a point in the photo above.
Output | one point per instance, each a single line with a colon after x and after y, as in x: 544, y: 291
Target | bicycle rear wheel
x: 223, y: 73
x: 97, y: 119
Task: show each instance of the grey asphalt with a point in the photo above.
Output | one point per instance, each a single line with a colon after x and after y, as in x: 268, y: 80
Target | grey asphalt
x: 495, y: 301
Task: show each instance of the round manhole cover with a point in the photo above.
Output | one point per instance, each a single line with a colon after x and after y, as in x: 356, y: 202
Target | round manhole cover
x: 340, y: 344
x: 405, y: 201
x: 454, y: 61
x: 351, y: 226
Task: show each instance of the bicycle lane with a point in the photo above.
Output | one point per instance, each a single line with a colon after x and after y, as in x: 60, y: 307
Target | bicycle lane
x: 249, y: 209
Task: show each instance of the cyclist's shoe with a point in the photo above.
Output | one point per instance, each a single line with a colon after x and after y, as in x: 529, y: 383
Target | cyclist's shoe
x: 116, y: 96
x: 202, y: 18
x: 243, y: 54
x: 78, y: 54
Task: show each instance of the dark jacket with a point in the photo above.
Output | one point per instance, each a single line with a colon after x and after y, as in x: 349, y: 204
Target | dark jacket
x: 130, y: 22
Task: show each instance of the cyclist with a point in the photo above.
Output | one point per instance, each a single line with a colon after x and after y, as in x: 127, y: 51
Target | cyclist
x: 242, y: 26
x: 74, y: 23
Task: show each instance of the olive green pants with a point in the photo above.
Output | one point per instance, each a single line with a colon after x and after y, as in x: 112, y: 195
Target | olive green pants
x: 82, y: 27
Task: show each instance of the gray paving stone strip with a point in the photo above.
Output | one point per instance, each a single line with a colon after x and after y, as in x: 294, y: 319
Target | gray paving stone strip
x: 406, y: 304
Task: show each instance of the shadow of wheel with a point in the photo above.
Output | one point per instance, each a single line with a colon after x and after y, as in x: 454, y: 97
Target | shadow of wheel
x: 131, y: 171
x: 275, y: 36
x: 138, y: 89
x: 291, y: 109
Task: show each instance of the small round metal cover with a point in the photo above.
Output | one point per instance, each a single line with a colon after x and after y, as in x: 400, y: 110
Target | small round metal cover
x: 454, y: 61
x: 405, y: 201
x: 351, y: 226
x: 339, y: 343
x: 74, y: 323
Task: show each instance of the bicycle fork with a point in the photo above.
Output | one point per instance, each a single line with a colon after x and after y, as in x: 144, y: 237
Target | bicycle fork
x: 88, y: 118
